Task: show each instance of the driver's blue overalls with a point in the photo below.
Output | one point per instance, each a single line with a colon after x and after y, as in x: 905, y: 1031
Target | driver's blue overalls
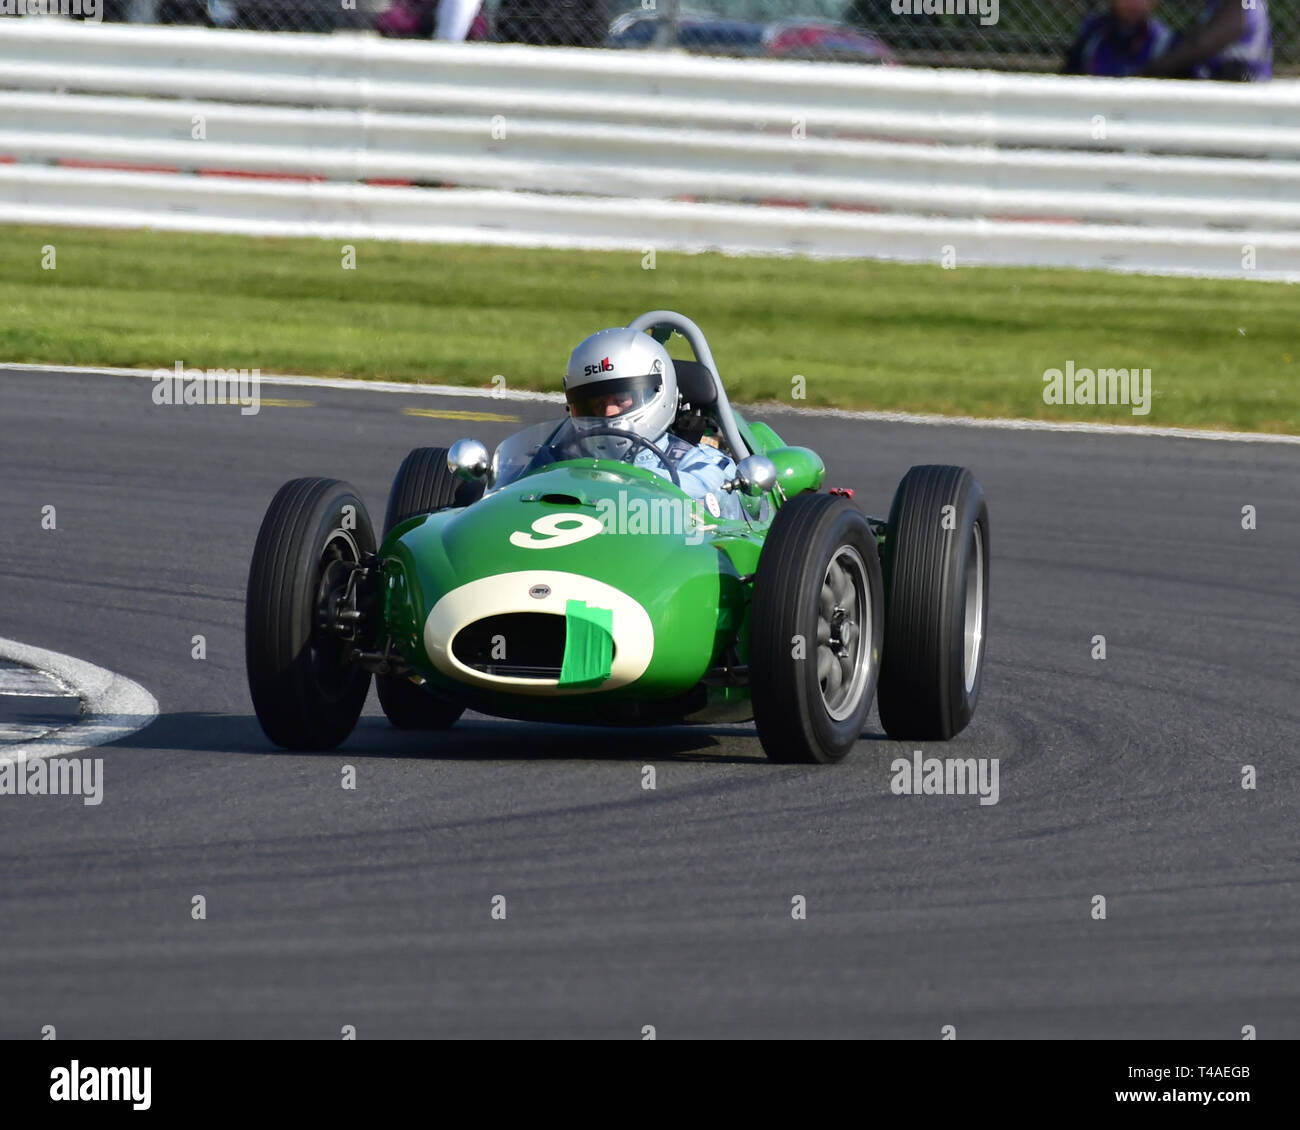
x: 701, y: 469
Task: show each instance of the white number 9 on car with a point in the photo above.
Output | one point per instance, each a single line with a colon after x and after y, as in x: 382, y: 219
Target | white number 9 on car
x: 556, y: 530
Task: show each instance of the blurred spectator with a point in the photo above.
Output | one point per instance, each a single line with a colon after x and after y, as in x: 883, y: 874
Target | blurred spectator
x: 552, y: 23
x: 455, y: 17
x: 1119, y: 41
x: 452, y: 20
x: 1230, y: 42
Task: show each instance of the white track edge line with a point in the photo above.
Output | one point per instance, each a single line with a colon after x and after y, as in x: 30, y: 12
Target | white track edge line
x: 924, y: 419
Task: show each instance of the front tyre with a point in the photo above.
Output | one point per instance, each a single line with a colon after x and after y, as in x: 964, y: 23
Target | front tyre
x: 816, y: 623
x: 936, y: 569
x: 306, y: 692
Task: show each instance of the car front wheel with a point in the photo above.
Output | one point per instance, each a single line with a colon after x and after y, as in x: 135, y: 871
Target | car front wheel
x: 817, y: 620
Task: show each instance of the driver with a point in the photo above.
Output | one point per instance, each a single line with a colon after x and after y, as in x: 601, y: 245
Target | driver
x: 624, y: 378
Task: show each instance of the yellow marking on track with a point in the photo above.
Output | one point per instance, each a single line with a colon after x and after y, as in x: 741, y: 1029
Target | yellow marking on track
x: 457, y: 414
x: 262, y: 402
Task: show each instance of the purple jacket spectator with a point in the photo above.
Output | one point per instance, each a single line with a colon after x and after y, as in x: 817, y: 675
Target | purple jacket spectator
x: 1229, y: 41
x: 1118, y: 42
x: 1248, y: 59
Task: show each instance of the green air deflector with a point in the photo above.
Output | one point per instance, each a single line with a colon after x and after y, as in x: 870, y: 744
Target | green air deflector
x: 588, y: 645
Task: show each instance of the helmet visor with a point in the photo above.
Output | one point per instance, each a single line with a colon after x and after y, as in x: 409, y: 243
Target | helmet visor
x: 607, y: 400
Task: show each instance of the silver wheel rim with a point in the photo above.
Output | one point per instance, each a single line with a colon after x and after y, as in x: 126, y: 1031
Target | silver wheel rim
x: 973, y: 643
x: 844, y: 633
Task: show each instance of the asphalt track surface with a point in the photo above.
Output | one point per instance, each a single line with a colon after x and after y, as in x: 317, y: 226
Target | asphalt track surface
x: 326, y: 907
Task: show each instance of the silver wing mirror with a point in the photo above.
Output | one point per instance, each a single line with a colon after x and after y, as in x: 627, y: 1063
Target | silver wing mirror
x: 755, y: 475
x: 468, y: 459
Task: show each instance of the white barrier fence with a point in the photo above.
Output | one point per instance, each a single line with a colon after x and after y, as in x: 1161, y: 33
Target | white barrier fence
x: 195, y: 129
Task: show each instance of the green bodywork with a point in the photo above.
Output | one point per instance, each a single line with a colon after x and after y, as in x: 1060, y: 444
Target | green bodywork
x: 692, y: 573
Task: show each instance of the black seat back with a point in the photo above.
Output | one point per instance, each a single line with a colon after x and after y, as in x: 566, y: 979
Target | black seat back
x: 695, y: 384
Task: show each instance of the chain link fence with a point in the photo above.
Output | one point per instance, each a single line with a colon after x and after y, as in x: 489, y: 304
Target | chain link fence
x: 1002, y: 34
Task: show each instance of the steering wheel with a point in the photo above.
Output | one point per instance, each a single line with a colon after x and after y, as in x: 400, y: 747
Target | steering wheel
x: 637, y: 441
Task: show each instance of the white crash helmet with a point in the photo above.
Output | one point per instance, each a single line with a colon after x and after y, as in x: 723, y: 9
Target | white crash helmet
x: 625, y: 378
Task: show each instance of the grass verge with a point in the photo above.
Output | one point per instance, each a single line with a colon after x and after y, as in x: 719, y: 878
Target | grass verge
x: 861, y: 334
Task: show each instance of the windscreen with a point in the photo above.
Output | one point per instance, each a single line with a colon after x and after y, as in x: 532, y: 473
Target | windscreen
x: 588, y: 437
x: 513, y: 455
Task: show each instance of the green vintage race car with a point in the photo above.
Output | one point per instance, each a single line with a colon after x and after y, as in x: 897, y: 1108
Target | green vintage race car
x: 552, y: 583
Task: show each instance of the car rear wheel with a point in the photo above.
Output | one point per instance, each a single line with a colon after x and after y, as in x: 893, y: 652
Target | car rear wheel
x: 423, y: 484
x: 817, y: 619
x: 306, y: 692
x: 936, y: 570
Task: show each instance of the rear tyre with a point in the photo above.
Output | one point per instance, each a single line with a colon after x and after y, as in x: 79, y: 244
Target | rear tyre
x: 409, y: 707
x: 306, y: 692
x: 936, y: 570
x: 423, y: 484
x: 816, y: 622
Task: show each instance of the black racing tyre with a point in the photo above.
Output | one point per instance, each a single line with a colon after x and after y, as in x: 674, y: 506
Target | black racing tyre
x: 306, y: 692
x: 423, y: 484
x: 815, y: 631
x: 936, y: 570
x: 409, y: 707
